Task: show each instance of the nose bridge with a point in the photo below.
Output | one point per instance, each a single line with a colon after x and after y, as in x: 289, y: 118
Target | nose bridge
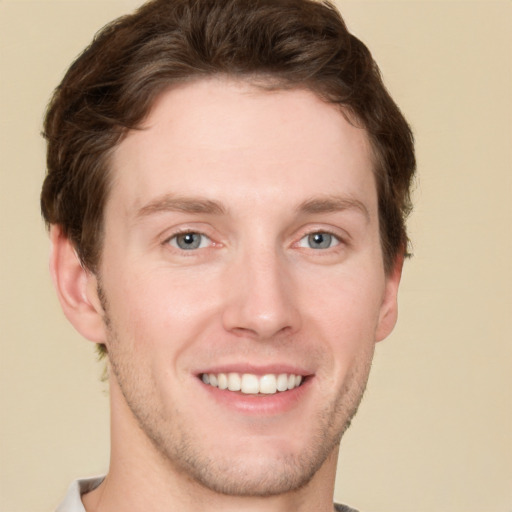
x: 261, y: 301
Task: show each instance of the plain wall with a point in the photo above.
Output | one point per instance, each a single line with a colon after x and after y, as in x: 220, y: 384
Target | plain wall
x: 435, y: 429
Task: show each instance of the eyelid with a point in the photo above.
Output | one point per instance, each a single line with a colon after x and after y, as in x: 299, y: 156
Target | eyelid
x: 173, y: 233
x: 339, y: 234
x: 335, y: 237
x: 174, y: 238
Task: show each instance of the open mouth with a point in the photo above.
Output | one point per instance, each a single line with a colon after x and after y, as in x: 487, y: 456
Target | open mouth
x: 251, y: 384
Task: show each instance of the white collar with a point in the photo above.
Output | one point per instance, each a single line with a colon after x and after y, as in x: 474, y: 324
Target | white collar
x: 73, y: 501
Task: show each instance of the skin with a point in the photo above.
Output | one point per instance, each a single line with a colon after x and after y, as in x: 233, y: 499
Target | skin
x: 253, y: 173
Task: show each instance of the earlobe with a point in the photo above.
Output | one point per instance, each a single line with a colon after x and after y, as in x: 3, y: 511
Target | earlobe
x: 76, y: 288
x: 389, y: 308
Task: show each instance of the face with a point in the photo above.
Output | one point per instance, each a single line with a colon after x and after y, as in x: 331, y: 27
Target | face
x: 243, y: 284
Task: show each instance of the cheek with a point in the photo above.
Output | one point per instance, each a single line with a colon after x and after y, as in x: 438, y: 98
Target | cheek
x: 161, y: 308
x: 346, y: 311
x: 347, y: 300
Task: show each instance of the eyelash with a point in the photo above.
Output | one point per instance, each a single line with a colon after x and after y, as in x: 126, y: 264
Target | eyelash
x: 185, y: 232
x: 331, y: 237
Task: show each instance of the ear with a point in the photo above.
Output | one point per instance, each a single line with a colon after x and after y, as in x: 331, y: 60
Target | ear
x: 389, y: 309
x: 76, y: 288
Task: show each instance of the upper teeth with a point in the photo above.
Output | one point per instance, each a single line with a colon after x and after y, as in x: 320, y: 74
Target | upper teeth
x: 252, y: 384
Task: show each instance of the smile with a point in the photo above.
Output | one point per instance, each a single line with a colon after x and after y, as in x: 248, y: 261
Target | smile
x: 252, y: 384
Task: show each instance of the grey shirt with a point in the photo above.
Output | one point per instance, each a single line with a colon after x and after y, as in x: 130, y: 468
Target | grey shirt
x: 73, y: 501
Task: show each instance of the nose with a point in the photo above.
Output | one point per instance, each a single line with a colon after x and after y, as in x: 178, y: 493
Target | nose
x: 260, y: 300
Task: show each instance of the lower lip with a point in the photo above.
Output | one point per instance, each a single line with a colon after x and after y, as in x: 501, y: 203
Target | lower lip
x: 261, y: 404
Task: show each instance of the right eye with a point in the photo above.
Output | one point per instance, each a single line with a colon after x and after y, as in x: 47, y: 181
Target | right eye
x: 189, y: 241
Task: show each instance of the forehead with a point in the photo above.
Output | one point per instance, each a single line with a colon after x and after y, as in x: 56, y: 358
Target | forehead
x: 227, y: 139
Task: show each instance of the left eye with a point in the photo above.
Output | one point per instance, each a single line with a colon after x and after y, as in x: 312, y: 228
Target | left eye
x: 189, y: 241
x: 319, y: 240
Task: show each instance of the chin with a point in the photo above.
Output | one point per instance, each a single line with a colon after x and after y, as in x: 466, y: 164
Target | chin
x: 258, y: 466
x: 263, y: 477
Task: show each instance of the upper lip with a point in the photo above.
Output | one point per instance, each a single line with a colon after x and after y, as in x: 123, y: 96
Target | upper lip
x: 256, y: 369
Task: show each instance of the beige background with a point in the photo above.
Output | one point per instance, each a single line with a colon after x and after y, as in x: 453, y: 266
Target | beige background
x: 435, y: 429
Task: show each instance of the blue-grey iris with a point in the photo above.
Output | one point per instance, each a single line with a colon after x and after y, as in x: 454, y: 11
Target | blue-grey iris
x: 319, y: 240
x: 188, y: 241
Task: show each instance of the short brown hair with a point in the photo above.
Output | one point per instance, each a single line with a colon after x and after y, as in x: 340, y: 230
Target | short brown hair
x: 112, y: 85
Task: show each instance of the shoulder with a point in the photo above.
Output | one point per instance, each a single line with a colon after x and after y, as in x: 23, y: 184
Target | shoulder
x: 343, y: 508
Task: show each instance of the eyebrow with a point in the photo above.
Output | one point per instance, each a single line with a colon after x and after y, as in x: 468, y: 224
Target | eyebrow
x: 324, y: 204
x: 333, y: 204
x: 170, y: 203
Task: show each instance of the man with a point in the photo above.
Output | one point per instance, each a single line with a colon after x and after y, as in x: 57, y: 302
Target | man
x: 226, y: 193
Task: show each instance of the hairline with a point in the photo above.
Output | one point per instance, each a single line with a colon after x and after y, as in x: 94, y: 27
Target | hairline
x: 262, y: 81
